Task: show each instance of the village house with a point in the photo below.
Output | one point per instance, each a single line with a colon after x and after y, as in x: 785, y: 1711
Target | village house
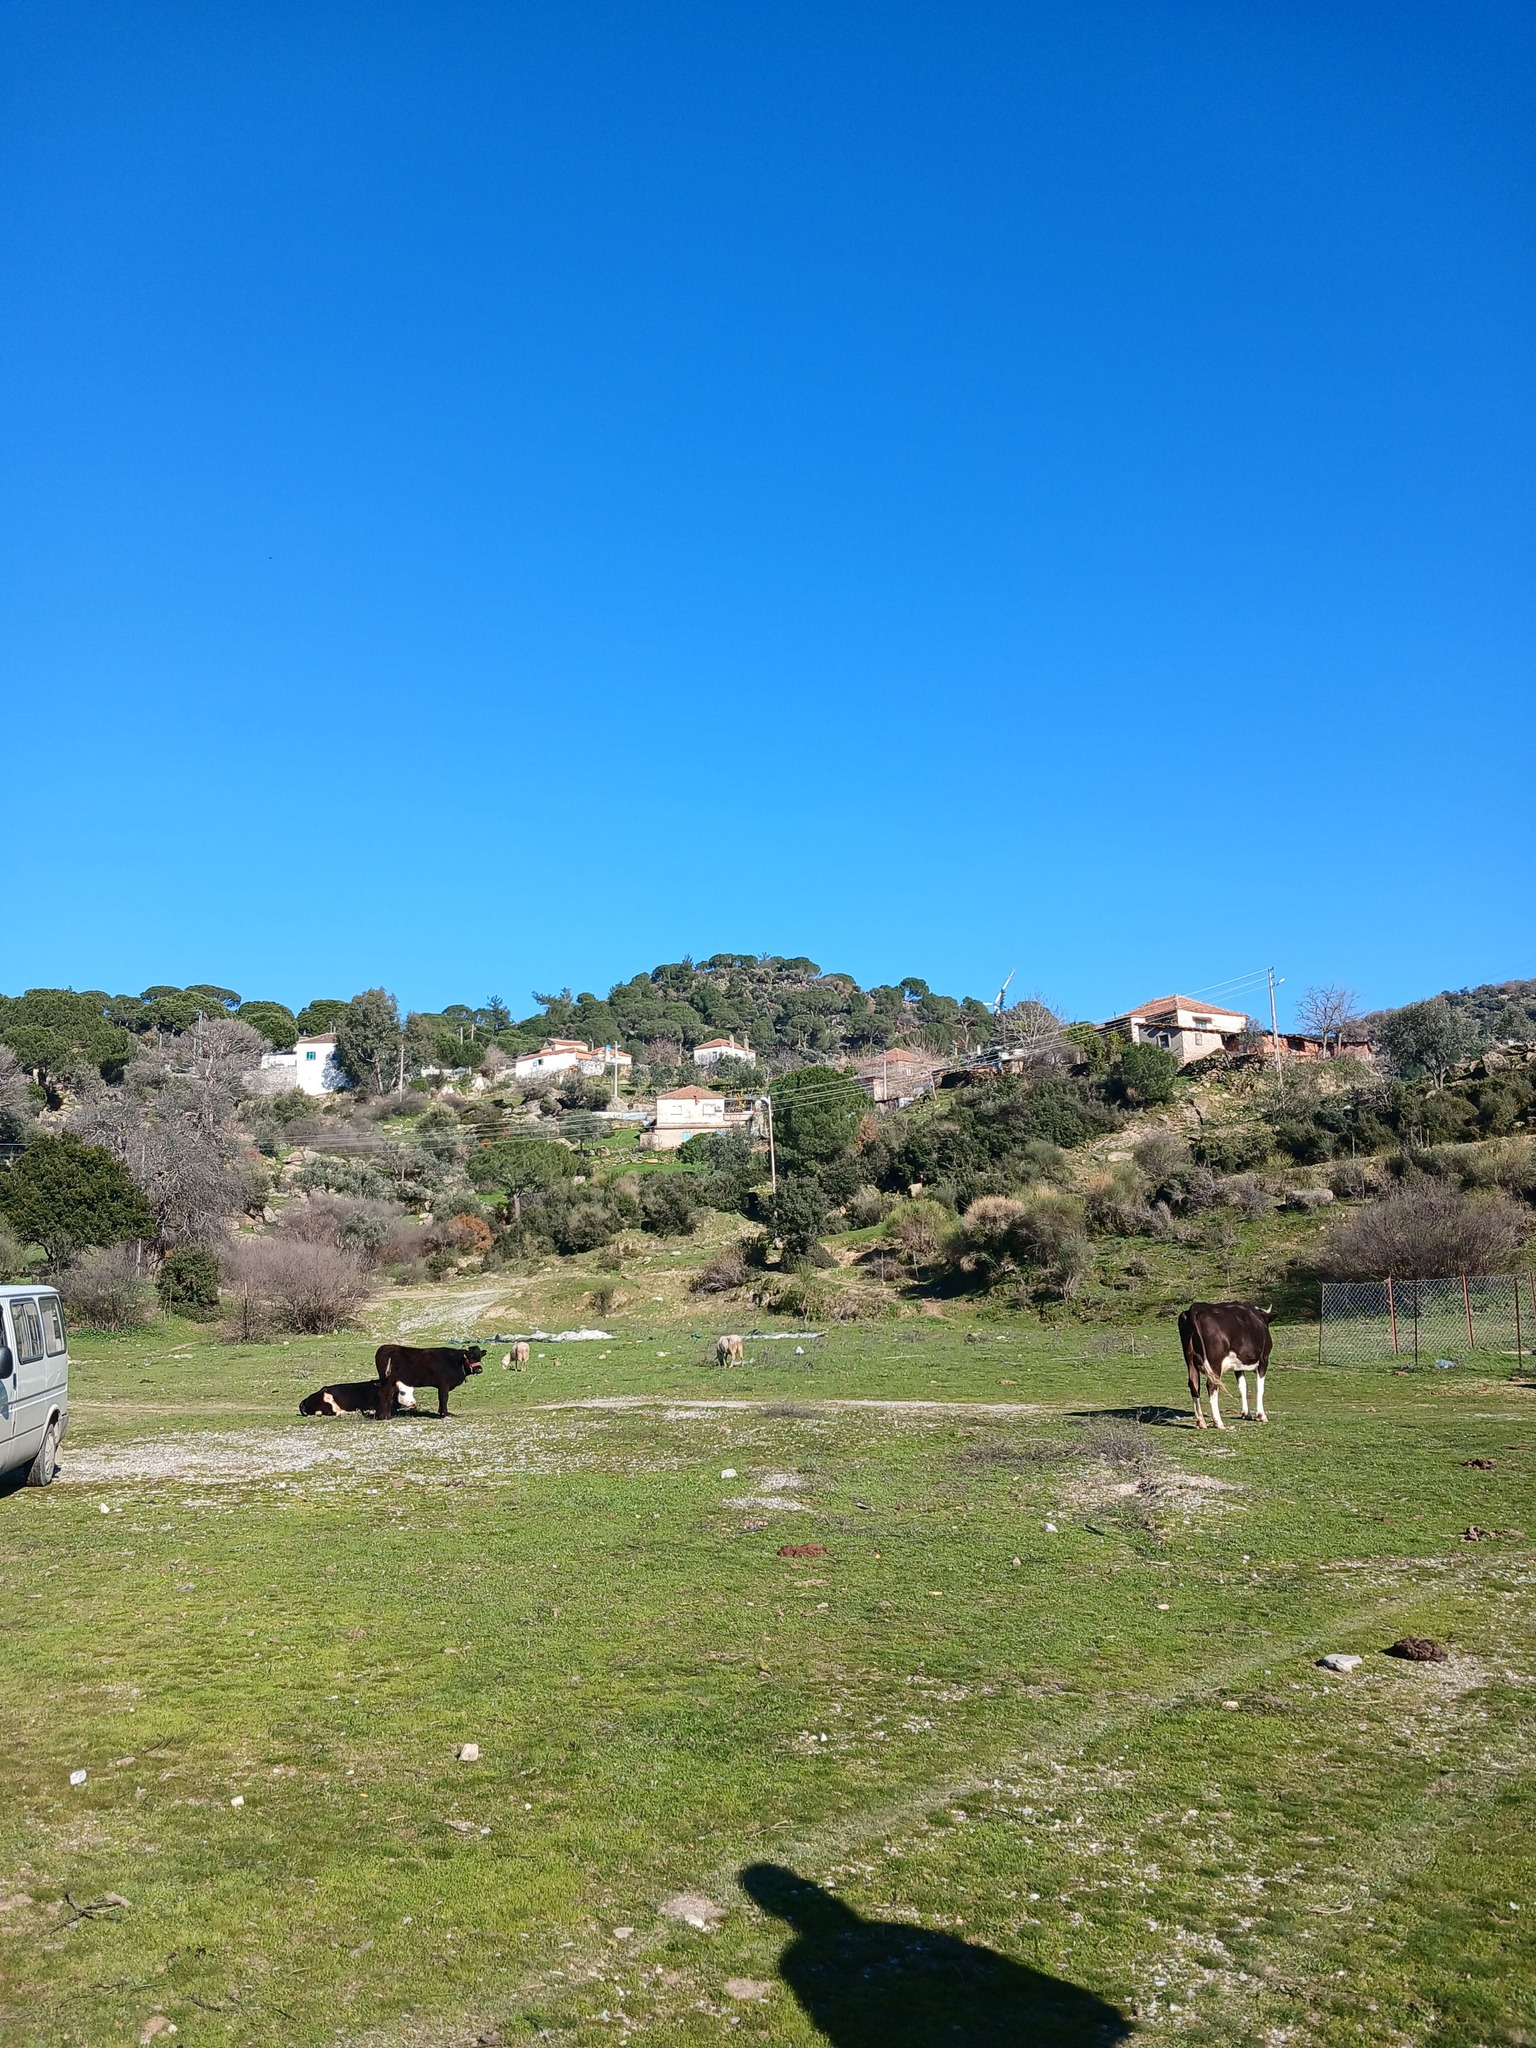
x: 1182, y: 1025
x: 1310, y: 1045
x: 896, y: 1077
x: 714, y: 1050
x: 311, y: 1066
x: 684, y: 1113
x: 567, y: 1055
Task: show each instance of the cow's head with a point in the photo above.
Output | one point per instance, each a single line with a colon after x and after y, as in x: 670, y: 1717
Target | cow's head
x: 473, y: 1353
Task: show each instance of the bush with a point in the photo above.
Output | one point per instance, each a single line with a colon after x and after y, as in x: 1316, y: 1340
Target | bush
x: 1116, y: 1203
x: 1143, y: 1075
x: 288, y: 1284
x: 1427, y: 1230
x: 796, y: 1215
x: 106, y: 1289
x: 916, y: 1229
x: 465, y: 1234
x: 13, y: 1254
x: 1172, y: 1177
x: 1233, y: 1148
x: 188, y: 1283
x: 726, y: 1270
x: 667, y: 1207
x: 1000, y: 1234
x: 868, y: 1206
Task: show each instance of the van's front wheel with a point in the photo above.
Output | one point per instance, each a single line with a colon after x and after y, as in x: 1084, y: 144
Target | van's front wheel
x: 46, y: 1463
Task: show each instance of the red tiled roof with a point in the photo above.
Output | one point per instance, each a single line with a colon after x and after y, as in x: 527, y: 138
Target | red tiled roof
x: 1161, y: 1003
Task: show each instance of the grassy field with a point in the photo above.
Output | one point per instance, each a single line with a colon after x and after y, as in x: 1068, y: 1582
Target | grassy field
x: 1036, y: 1750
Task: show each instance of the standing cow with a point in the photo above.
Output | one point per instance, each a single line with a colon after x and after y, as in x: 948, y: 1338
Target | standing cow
x: 728, y: 1351
x: 1220, y: 1337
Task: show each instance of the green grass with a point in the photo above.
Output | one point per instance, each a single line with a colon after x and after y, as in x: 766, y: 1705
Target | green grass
x: 958, y: 1723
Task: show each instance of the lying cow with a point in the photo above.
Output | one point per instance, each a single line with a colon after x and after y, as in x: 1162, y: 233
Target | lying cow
x: 1220, y: 1337
x: 728, y: 1351
x: 443, y: 1367
x: 354, y: 1397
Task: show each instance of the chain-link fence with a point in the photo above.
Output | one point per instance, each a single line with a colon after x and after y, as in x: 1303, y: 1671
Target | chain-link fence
x: 1363, y: 1320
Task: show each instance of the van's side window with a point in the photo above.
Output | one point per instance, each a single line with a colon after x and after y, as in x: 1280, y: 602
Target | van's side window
x: 53, y: 1325
x: 29, y: 1331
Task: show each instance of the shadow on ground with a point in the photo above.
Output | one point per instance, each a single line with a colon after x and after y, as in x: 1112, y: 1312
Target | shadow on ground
x: 1154, y: 1416
x: 883, y: 1984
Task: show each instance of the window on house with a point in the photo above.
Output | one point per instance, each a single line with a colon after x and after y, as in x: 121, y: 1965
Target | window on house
x: 309, y: 1055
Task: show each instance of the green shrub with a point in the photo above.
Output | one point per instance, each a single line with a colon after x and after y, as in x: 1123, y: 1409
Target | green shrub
x: 1143, y: 1075
x: 1233, y: 1148
x: 188, y: 1283
x: 667, y: 1207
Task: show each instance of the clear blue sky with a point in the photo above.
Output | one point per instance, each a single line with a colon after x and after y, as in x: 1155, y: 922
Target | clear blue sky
x: 495, y: 496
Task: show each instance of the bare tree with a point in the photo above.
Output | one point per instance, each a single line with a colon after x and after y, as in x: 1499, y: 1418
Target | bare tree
x: 171, y: 1121
x: 1327, y: 1012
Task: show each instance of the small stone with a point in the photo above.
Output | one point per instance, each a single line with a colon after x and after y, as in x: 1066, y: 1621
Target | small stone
x: 746, y: 1987
x: 156, y: 2027
x: 1339, y: 1660
x: 694, y: 1910
x: 468, y: 1752
x: 238, y: 1801
x: 77, y: 1777
x: 1051, y: 1529
x: 622, y: 1933
x: 1230, y: 1705
x: 729, y: 1472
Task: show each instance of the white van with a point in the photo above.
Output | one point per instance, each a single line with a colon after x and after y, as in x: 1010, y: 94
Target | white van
x: 34, y: 1382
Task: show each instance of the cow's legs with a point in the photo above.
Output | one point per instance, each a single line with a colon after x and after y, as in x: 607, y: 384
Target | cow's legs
x: 1196, y: 1381
x: 1259, y: 1391
x: 1213, y: 1394
x: 442, y: 1399
x: 386, y: 1396
x: 1242, y: 1391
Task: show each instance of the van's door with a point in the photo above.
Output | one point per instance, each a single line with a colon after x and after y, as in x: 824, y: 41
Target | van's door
x: 29, y: 1379
x: 56, y: 1355
x: 8, y: 1386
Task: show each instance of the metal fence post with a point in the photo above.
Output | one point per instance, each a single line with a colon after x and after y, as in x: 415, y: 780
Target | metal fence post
x: 1466, y: 1302
x: 1392, y: 1312
x: 1518, y: 1351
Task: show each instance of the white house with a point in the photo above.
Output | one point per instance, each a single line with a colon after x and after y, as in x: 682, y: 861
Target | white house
x: 311, y: 1066
x: 1187, y: 1028
x: 714, y: 1050
x: 563, y: 1055
x: 684, y: 1113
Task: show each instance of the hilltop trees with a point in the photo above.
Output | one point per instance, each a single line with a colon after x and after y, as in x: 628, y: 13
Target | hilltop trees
x: 1425, y: 1039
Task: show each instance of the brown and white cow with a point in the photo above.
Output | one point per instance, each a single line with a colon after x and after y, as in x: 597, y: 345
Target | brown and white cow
x: 728, y: 1351
x: 1221, y: 1337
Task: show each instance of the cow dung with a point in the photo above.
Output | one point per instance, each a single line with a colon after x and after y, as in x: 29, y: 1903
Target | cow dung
x: 802, y: 1550
x: 1419, y: 1650
x: 1479, y: 1464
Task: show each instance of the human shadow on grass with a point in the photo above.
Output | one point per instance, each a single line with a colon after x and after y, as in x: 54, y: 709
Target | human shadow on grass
x: 884, y: 1984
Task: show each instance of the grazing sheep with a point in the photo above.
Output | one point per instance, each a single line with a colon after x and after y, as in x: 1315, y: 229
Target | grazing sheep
x: 728, y: 1351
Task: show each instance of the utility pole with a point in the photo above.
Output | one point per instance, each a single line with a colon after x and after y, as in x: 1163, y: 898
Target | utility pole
x: 773, y: 1164
x: 1274, y: 1028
